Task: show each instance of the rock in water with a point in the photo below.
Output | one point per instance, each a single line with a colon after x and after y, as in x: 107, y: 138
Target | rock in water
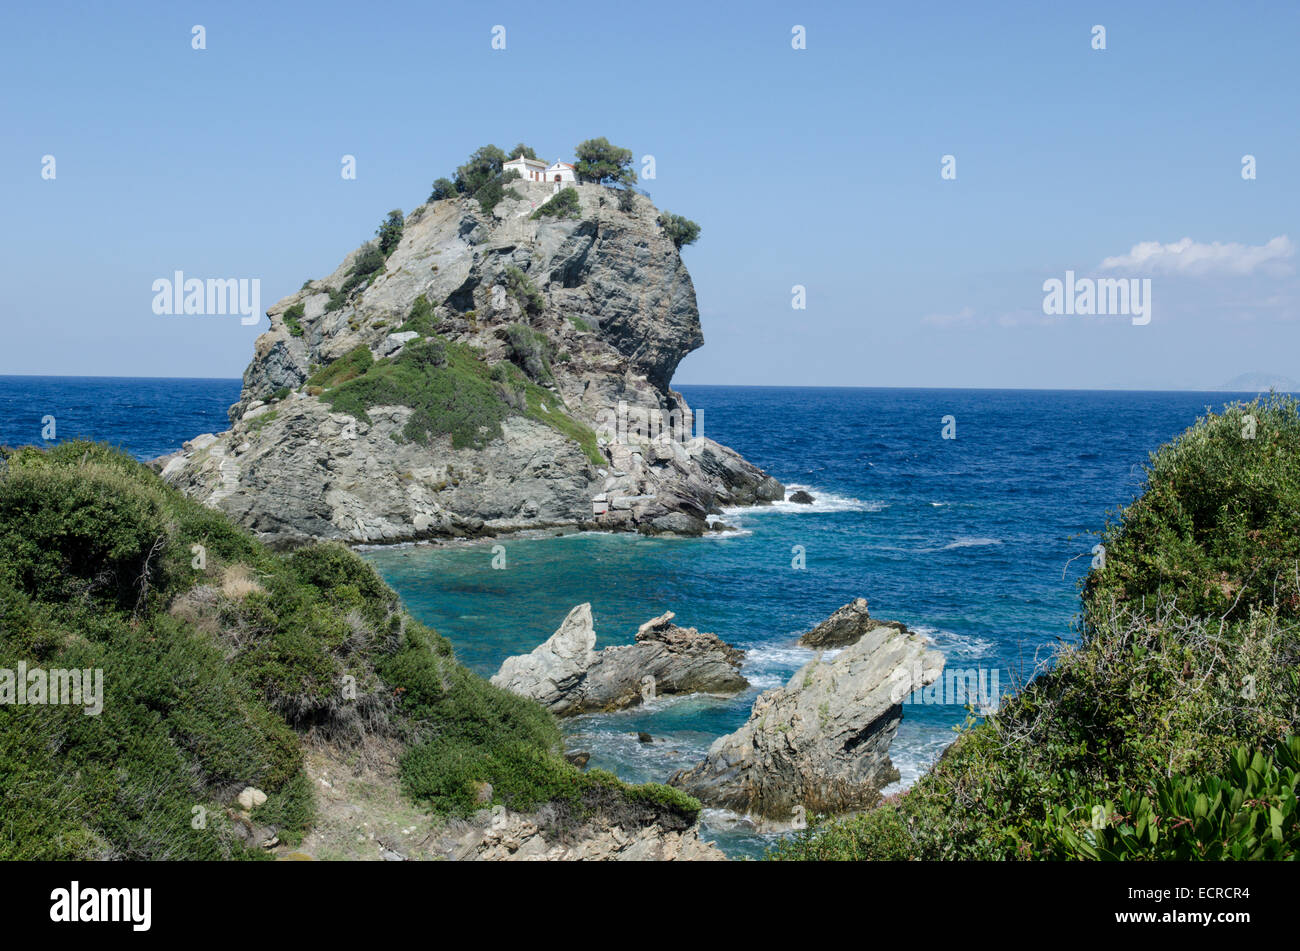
x: 569, y: 677
x: 822, y: 741
x: 555, y: 667
x: 592, y: 313
x: 802, y: 497
x: 846, y: 626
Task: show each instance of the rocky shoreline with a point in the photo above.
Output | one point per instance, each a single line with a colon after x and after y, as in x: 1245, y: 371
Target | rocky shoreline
x: 818, y: 745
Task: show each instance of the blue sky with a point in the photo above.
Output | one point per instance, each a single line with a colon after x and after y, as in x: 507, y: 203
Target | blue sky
x: 817, y: 167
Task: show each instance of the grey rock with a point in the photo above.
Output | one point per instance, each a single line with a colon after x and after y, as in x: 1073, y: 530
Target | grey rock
x: 567, y: 675
x: 306, y: 472
x: 821, y: 743
x: 515, y: 837
x: 393, y: 343
x: 559, y: 664
x: 846, y: 626
x: 801, y: 497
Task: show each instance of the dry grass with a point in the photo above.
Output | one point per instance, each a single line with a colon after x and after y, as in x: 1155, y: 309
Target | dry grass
x: 237, y: 582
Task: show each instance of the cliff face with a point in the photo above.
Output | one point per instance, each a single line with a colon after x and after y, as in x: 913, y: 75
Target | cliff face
x: 567, y: 330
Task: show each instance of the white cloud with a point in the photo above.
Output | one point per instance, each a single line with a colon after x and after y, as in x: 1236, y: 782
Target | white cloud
x: 1194, y: 257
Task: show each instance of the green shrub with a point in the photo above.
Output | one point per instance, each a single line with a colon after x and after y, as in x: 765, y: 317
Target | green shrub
x: 82, y: 534
x: 681, y: 231
x: 293, y: 319
x: 481, y: 167
x: 352, y: 364
x: 199, y: 686
x: 531, y: 351
x: 1249, y: 814
x: 368, y: 261
x: 443, y: 188
x: 563, y: 204
x: 598, y: 161
x: 422, y: 318
x: 493, y: 192
x: 523, y: 292
x: 105, y: 548
x: 389, y: 232
x: 446, y: 386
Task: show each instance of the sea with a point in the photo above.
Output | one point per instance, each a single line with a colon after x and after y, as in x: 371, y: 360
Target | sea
x: 970, y: 515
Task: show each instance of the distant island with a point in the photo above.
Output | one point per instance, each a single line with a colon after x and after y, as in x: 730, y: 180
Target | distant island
x: 1259, y: 383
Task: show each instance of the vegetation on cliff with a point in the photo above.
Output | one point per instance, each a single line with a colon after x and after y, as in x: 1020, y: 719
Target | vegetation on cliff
x: 1168, y: 730
x: 219, y: 657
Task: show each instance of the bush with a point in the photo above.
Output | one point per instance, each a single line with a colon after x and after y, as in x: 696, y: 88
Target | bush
x: 494, y: 192
x: 369, y: 260
x: 481, y: 167
x: 598, y: 161
x: 421, y: 319
x: 349, y: 366
x: 106, y: 547
x: 443, y: 188
x: 563, y: 204
x: 293, y: 319
x: 522, y: 291
x: 199, y: 685
x: 446, y: 385
x: 1248, y: 814
x: 390, y: 232
x: 86, y: 534
x: 681, y: 231
x: 531, y: 351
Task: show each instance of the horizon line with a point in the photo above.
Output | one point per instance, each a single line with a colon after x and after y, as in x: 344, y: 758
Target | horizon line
x: 755, y: 386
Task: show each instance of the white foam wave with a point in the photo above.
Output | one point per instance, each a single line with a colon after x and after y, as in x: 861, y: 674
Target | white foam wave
x: 773, y: 666
x: 956, y: 646
x: 822, y: 503
x: 963, y: 541
x: 913, y: 754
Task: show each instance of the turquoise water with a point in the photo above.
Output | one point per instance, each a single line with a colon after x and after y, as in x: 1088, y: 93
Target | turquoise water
x: 976, y: 541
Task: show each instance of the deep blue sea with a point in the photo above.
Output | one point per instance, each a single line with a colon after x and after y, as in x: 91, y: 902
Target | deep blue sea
x: 976, y: 541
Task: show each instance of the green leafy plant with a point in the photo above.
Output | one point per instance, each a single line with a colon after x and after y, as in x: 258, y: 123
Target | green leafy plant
x: 681, y: 231
x: 389, y: 232
x: 293, y: 319
x: 598, y: 161
x: 563, y: 204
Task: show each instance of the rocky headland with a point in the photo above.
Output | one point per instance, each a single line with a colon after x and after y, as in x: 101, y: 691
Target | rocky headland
x: 498, y: 368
